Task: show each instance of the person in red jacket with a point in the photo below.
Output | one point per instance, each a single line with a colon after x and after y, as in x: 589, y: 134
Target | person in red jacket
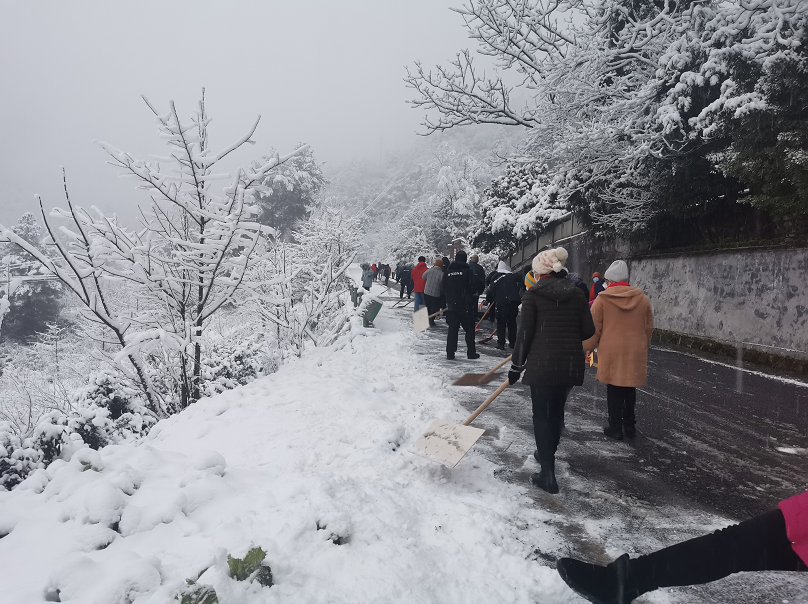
x: 776, y: 540
x: 419, y: 283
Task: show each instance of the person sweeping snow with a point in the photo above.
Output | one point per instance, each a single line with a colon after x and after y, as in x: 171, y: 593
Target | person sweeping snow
x: 623, y: 327
x: 555, y: 322
x: 504, y: 292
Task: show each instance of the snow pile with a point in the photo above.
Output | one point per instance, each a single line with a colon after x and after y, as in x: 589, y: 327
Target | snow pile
x: 312, y: 465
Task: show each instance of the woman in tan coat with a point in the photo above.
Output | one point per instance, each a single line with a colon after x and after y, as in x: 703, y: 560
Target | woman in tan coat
x: 623, y: 326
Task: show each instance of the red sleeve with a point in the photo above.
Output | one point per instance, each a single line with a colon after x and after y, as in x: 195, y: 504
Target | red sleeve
x: 795, y: 511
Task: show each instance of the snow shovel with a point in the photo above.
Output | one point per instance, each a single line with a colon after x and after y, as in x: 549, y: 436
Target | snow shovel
x: 420, y: 320
x: 491, y: 337
x: 446, y: 442
x: 477, y: 379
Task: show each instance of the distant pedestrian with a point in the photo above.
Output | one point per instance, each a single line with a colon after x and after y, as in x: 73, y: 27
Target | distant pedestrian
x: 528, y: 281
x: 773, y: 541
x: 597, y: 286
x: 576, y: 279
x: 623, y: 327
x: 442, y: 302
x: 555, y: 322
x: 386, y: 275
x: 367, y: 275
x: 460, y: 286
x: 405, y: 281
x: 504, y: 291
x: 432, y: 289
x: 479, y: 273
x: 417, y: 277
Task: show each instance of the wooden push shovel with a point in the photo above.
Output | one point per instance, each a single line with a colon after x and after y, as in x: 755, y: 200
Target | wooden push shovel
x: 446, y: 442
x: 477, y: 328
x: 477, y: 379
x: 420, y: 320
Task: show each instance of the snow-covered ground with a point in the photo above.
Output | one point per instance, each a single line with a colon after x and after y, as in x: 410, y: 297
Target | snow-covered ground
x: 314, y: 465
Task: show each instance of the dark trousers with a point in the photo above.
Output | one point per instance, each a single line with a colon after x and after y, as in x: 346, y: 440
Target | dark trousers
x: 408, y: 284
x: 756, y: 544
x: 621, y: 401
x: 548, y: 418
x: 506, y: 319
x: 457, y: 319
x: 432, y: 306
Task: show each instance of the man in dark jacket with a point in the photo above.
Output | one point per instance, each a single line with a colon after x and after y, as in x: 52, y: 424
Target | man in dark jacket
x: 555, y: 322
x: 405, y: 281
x: 479, y: 274
x: 461, y: 286
x: 504, y: 291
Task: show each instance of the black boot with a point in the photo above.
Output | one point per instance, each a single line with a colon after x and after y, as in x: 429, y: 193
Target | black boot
x: 546, y: 479
x: 612, y: 584
x: 615, y: 432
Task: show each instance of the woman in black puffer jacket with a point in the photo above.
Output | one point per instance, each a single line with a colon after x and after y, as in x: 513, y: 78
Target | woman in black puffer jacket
x: 555, y: 321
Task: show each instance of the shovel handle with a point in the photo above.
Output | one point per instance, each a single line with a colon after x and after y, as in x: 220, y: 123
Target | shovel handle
x: 487, y: 402
x: 495, y: 369
x: 483, y: 317
x: 435, y: 314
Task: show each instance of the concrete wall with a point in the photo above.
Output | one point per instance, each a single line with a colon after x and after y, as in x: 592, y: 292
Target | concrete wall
x: 745, y: 297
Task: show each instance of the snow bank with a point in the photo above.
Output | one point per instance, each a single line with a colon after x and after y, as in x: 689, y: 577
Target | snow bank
x: 312, y: 464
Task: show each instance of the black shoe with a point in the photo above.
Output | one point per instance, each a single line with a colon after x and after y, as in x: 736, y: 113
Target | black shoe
x: 500, y: 346
x: 450, y: 357
x: 613, y: 432
x: 474, y: 355
x: 545, y: 480
x: 431, y: 323
x: 511, y: 346
x: 629, y: 431
x: 612, y: 584
x: 536, y: 455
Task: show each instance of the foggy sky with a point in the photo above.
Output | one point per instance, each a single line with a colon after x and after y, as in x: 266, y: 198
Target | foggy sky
x: 325, y: 72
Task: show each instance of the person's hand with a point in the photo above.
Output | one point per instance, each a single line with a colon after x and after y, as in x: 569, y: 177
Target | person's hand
x: 513, y: 376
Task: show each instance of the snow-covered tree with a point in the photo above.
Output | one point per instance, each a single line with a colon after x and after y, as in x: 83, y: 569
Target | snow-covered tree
x: 28, y: 300
x: 613, y: 93
x: 298, y: 287
x: 289, y: 191
x: 185, y: 262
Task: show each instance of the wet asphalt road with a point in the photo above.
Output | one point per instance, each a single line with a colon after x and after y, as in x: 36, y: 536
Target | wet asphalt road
x: 715, y: 444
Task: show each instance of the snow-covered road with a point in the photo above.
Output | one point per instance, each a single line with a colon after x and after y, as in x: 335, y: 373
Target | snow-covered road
x: 313, y: 465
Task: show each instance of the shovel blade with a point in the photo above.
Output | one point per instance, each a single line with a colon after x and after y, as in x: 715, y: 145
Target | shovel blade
x: 420, y: 320
x: 447, y: 443
x: 475, y: 379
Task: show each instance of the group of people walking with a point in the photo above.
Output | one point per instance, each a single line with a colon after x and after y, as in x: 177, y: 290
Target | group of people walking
x: 563, y: 322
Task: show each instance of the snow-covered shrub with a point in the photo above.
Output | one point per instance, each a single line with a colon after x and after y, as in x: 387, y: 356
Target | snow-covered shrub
x: 231, y: 364
x: 108, y: 410
x: 17, y: 458
x: 50, y: 436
